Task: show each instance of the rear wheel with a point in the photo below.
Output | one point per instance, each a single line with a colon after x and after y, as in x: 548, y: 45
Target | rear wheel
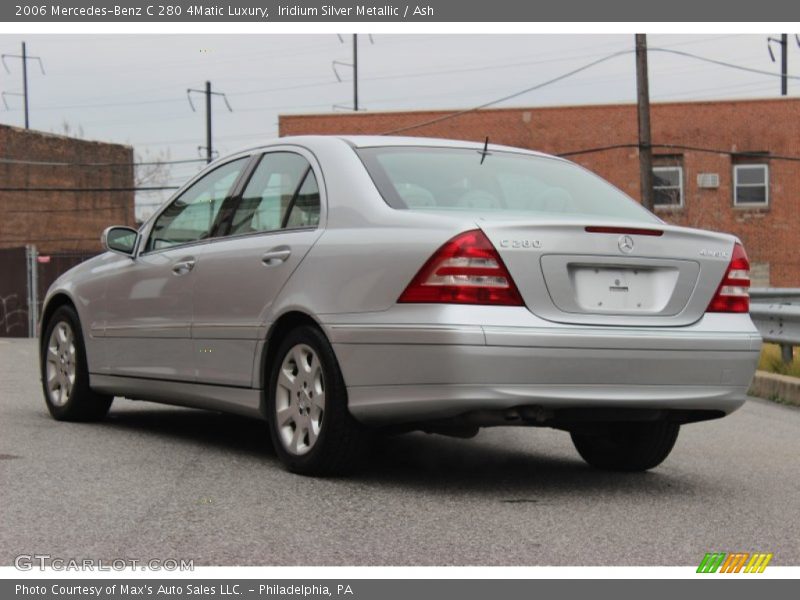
x: 312, y: 430
x: 628, y: 446
x: 65, y: 373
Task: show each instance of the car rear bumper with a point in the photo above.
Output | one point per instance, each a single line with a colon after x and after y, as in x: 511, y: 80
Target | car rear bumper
x: 405, y: 372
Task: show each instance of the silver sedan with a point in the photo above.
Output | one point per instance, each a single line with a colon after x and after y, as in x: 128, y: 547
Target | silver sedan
x: 340, y: 286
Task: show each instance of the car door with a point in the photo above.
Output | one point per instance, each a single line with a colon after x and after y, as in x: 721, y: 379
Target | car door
x: 273, y: 224
x: 149, y: 297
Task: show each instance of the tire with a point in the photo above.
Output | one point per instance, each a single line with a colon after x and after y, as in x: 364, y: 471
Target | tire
x: 628, y: 446
x: 310, y: 425
x: 65, y: 373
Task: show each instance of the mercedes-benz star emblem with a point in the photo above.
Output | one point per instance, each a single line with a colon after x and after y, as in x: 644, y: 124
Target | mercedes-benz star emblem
x: 625, y: 244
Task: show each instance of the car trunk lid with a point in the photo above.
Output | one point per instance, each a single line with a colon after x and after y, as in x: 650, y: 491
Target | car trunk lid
x: 612, y: 274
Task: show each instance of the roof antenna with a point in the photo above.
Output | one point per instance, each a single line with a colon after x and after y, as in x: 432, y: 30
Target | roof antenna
x: 485, y: 152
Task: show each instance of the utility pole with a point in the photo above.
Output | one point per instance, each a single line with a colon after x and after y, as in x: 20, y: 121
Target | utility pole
x: 784, y: 64
x: 784, y: 43
x: 209, y: 151
x: 643, y: 101
x: 355, y: 72
x: 208, y: 93
x: 354, y: 66
x: 25, y: 84
x: 24, y: 58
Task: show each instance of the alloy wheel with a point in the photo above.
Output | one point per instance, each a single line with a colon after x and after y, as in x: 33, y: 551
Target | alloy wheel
x: 61, y: 363
x: 300, y: 400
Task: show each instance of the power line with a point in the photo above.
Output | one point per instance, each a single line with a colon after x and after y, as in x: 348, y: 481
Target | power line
x: 50, y: 239
x: 90, y: 189
x: 509, y: 96
x: 178, y: 100
x: 71, y: 210
x: 15, y: 161
x: 111, y: 104
x: 764, y: 155
x: 575, y: 72
x: 722, y: 63
x: 596, y: 149
x: 168, y: 100
x: 759, y: 86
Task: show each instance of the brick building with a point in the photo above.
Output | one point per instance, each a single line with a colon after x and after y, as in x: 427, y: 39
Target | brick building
x: 718, y: 165
x: 62, y: 220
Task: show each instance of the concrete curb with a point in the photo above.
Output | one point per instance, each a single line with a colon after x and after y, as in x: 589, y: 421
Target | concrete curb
x: 780, y: 388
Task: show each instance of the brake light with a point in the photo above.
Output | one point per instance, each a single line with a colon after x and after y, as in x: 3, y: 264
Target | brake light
x: 624, y: 230
x: 465, y: 270
x: 733, y: 294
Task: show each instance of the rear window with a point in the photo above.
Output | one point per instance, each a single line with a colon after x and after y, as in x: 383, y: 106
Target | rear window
x: 422, y: 178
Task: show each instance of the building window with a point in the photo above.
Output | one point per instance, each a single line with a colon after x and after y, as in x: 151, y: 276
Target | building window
x: 751, y: 185
x: 668, y: 186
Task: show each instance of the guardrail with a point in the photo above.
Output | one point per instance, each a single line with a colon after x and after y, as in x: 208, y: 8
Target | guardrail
x: 776, y: 313
x: 776, y: 295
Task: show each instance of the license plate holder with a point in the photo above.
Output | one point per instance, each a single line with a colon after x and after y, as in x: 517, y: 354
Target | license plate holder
x: 601, y: 288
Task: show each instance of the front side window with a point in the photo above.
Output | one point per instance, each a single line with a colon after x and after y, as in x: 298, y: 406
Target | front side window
x: 668, y: 186
x: 751, y: 184
x: 282, y: 193
x: 190, y: 217
x: 519, y: 185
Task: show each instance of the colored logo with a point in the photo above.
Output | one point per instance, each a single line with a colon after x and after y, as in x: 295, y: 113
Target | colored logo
x: 736, y: 562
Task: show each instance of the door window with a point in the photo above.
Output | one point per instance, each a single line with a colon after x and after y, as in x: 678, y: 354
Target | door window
x: 191, y: 215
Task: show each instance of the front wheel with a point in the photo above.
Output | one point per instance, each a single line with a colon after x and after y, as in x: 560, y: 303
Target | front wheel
x: 628, y: 446
x: 65, y: 372
x: 311, y: 428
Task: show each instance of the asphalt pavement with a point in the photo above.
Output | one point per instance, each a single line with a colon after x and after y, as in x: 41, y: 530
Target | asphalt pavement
x: 161, y: 482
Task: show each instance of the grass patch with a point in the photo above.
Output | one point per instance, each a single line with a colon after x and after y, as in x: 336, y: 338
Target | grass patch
x: 771, y: 361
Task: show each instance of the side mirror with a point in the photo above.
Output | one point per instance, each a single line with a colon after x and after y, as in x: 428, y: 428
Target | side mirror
x: 121, y: 240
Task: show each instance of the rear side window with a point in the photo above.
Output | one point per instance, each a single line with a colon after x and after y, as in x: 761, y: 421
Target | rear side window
x: 457, y: 179
x: 282, y: 193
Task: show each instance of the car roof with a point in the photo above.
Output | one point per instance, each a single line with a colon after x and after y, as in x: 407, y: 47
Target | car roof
x: 374, y: 141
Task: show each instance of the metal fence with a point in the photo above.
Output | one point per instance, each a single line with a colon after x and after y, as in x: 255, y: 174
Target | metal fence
x: 14, y: 292
x: 776, y: 313
x: 25, y: 277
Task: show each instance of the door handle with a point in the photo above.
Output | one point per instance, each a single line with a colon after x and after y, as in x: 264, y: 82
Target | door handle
x: 276, y: 256
x: 182, y: 267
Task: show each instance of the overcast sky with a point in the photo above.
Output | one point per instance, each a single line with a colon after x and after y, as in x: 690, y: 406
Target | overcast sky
x: 132, y: 88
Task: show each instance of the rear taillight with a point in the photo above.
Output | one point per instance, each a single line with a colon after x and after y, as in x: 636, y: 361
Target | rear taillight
x: 733, y: 294
x: 466, y: 270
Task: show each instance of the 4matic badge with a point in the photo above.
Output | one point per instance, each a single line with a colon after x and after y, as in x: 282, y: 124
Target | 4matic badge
x: 714, y: 253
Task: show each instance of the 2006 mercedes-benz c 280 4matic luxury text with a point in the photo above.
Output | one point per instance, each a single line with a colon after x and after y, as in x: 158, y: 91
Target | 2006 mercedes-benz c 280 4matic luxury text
x: 338, y: 286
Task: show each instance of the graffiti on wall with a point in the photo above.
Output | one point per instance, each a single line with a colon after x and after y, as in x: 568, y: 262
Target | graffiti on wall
x: 13, y: 319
